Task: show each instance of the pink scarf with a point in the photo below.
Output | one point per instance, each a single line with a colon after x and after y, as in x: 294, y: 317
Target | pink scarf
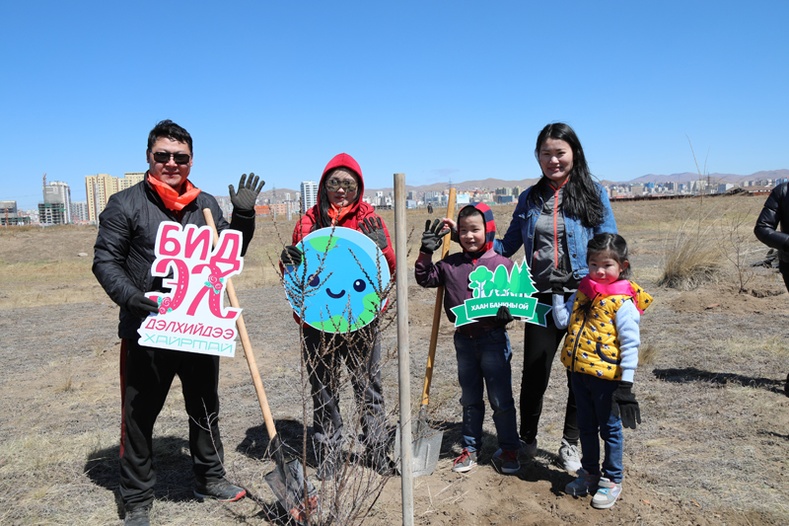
x: 623, y: 287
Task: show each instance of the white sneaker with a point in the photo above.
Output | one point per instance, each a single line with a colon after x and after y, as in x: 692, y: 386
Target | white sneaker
x: 569, y: 457
x: 607, y: 493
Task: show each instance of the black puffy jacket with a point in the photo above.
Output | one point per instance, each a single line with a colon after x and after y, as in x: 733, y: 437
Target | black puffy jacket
x: 775, y: 211
x: 125, y: 246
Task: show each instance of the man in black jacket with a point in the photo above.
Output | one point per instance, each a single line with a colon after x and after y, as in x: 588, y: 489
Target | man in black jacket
x: 775, y: 212
x: 123, y: 256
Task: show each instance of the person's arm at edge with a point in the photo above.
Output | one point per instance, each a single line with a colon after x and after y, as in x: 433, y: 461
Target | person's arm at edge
x: 766, y: 229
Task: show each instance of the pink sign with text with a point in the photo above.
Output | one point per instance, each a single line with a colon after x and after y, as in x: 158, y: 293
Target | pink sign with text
x: 192, y: 316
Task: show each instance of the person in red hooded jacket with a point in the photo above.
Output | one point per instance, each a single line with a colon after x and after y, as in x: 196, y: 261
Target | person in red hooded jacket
x: 339, y: 203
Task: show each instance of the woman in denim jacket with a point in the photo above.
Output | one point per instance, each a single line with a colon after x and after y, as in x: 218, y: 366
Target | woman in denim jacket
x: 553, y: 221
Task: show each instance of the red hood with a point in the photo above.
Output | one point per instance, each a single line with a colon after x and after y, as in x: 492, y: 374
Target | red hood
x: 343, y: 160
x: 490, y: 224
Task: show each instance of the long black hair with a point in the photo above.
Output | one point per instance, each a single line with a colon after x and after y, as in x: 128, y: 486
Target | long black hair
x: 323, y: 219
x: 581, y: 198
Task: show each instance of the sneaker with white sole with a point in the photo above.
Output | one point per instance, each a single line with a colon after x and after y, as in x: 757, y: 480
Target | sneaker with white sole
x: 569, y: 457
x: 583, y: 485
x: 607, y: 493
x: 507, y: 462
x: 466, y: 461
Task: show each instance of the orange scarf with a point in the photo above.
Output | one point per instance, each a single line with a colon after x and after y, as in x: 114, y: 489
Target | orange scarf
x: 337, y: 213
x: 172, y: 200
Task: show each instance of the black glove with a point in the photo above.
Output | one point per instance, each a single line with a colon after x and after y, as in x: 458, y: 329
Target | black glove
x: 373, y: 228
x: 141, y: 306
x: 503, y: 316
x: 624, y: 403
x: 559, y: 279
x: 291, y: 256
x: 433, y: 236
x: 244, y: 200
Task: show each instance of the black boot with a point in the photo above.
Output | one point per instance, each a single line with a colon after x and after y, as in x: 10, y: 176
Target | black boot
x: 138, y: 516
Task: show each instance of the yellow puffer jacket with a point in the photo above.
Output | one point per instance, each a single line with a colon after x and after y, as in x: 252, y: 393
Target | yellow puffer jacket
x: 592, y: 345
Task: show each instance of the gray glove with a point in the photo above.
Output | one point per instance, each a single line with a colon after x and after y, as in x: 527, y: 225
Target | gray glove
x: 141, y: 306
x: 244, y: 200
x: 433, y: 236
x: 373, y: 228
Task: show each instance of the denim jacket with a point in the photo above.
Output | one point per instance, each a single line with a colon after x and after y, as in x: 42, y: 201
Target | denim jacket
x: 524, y: 222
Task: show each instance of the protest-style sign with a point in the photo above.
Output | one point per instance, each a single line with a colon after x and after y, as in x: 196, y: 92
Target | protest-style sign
x: 341, y: 283
x: 492, y: 289
x: 191, y: 315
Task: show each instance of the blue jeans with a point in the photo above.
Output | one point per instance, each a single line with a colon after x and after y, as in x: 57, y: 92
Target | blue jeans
x: 485, y: 361
x: 593, y: 399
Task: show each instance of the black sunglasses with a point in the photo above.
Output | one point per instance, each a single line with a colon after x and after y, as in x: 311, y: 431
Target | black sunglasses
x: 164, y: 157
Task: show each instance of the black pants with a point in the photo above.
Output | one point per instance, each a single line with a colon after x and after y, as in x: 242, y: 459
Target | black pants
x: 539, y: 349
x: 146, y: 376
x: 783, y: 267
x: 360, y: 351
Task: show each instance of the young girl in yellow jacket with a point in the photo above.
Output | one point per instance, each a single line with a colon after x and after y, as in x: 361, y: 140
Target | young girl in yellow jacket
x: 601, y: 352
